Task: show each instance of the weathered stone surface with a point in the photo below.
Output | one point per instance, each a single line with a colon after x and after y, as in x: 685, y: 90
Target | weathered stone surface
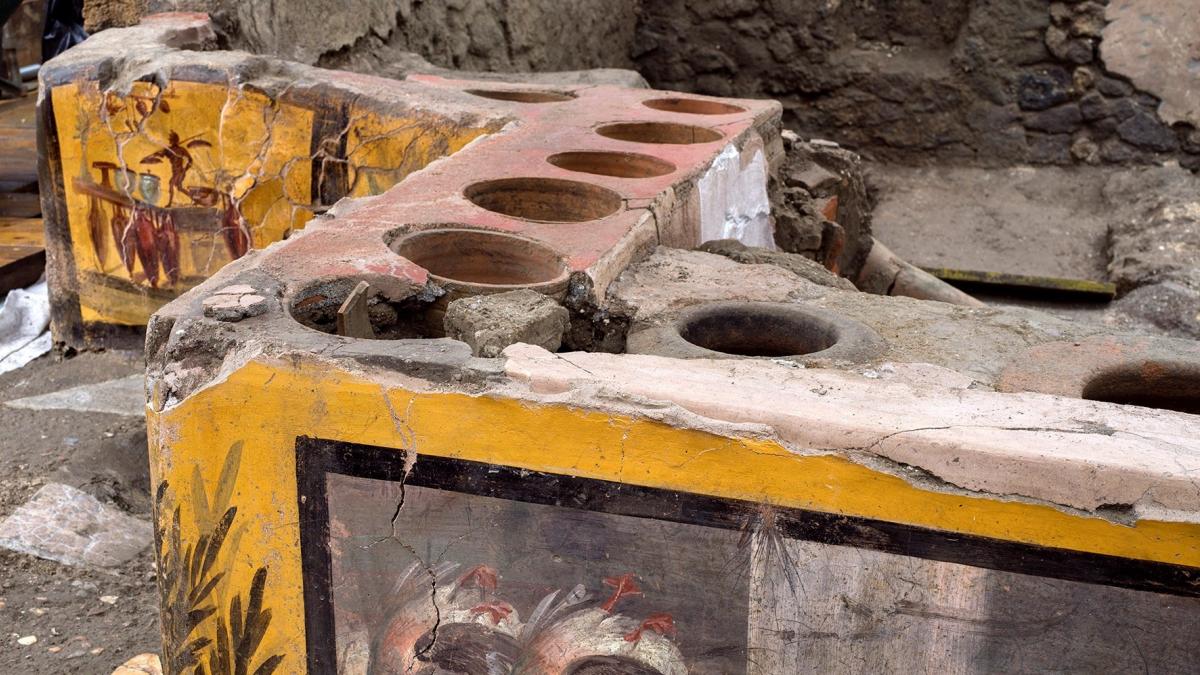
x: 1044, y: 88
x: 1144, y: 131
x: 66, y: 525
x: 1156, y: 44
x: 1115, y: 151
x: 1073, y: 49
x: 1063, y: 119
x: 799, y: 265
x: 945, y: 87
x: 489, y: 323
x: 126, y: 396
x: 820, y: 206
x: 1154, y: 246
x: 1085, y: 150
x: 1038, y: 221
x: 1049, y: 148
x: 1093, y: 106
x: 1111, y: 86
x: 975, y: 342
x: 1171, y: 307
x: 234, y: 303
x: 467, y: 35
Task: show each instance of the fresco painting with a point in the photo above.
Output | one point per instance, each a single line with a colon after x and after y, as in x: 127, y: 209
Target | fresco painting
x: 167, y: 184
x: 437, y: 586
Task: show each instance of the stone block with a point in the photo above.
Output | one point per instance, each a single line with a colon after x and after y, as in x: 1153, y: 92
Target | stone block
x: 1043, y: 88
x: 1063, y: 119
x: 1144, y: 130
x: 490, y: 323
x: 1154, y: 43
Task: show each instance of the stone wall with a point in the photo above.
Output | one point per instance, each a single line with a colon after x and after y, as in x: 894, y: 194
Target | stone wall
x: 985, y: 81
x: 462, y: 34
x: 993, y: 81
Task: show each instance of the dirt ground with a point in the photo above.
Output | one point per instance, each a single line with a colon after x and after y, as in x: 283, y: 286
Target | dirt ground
x: 1043, y: 221
x: 101, y: 454
x: 1049, y: 222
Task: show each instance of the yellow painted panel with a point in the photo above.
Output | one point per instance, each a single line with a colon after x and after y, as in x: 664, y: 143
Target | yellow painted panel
x: 263, y: 407
x: 217, y: 171
x: 382, y: 151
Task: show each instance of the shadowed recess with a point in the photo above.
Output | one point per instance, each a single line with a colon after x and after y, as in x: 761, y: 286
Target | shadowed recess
x: 666, y: 133
x: 756, y: 330
x: 482, y: 257
x: 692, y: 106
x: 522, y: 96
x: 616, y: 164
x: 1151, y: 384
x: 392, y: 310
x: 550, y: 200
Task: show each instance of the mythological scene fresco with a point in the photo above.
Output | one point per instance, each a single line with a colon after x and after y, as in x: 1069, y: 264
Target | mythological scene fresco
x: 527, y: 588
x: 166, y: 185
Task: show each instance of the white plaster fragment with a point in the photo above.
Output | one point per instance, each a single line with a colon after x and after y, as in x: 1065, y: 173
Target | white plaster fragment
x: 67, y: 525
x: 734, y: 202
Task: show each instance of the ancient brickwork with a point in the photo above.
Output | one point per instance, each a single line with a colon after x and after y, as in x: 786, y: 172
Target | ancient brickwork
x: 995, y: 81
x: 990, y: 81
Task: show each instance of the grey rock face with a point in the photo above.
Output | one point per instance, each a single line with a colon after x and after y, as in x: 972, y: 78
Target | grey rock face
x: 1154, y: 246
x: 489, y: 323
x: 1156, y: 43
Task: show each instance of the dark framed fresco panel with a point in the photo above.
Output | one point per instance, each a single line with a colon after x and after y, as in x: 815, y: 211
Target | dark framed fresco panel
x: 442, y: 565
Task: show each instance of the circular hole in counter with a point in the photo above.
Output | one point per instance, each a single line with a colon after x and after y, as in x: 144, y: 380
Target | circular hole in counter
x: 483, y: 260
x: 394, y: 309
x: 615, y: 164
x: 1166, y: 386
x: 692, y: 106
x: 664, y: 133
x: 758, y: 330
x: 522, y: 95
x: 551, y: 200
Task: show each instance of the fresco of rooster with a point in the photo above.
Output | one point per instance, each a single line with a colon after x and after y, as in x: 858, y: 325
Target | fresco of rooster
x: 442, y: 622
x: 599, y: 640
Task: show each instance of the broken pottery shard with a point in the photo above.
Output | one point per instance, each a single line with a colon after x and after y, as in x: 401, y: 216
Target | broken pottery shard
x: 125, y: 396
x: 69, y: 526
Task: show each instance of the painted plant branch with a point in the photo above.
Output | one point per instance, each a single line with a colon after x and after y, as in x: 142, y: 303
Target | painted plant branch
x: 189, y: 578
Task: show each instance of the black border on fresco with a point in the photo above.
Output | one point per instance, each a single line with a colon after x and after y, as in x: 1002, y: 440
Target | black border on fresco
x: 317, y: 457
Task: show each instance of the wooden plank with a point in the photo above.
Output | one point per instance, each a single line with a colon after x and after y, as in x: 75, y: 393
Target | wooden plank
x: 18, y: 143
x: 20, y: 205
x: 352, y: 317
x: 19, y: 113
x: 1001, y: 281
x: 22, y: 252
x: 20, y: 266
x: 22, y: 232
